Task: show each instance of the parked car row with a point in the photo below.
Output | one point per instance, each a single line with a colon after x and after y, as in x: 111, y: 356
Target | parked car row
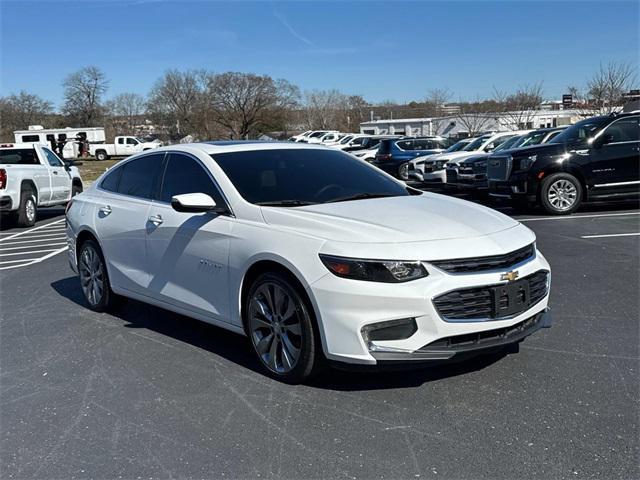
x: 555, y: 168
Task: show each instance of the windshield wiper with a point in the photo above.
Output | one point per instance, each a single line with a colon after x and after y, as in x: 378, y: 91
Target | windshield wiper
x: 361, y: 196
x: 285, y: 203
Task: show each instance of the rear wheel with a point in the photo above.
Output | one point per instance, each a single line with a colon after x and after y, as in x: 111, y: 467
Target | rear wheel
x: 26, y: 215
x: 94, y: 278
x: 279, y: 324
x: 403, y: 172
x: 101, y: 155
x: 561, y: 194
x: 76, y: 190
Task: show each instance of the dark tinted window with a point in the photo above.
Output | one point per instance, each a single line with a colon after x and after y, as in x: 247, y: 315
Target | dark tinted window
x: 185, y: 175
x: 30, y: 138
x: 52, y: 158
x: 582, y: 130
x: 303, y: 175
x: 405, y: 144
x: 624, y: 130
x: 19, y: 156
x: 110, y: 182
x: 139, y: 176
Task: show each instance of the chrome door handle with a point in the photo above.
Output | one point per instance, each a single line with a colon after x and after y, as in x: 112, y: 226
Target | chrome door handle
x: 155, y: 219
x: 106, y: 210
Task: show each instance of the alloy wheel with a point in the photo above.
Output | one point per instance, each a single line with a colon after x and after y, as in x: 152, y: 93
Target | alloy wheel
x: 30, y: 209
x: 91, y: 275
x: 276, y: 327
x: 562, y: 194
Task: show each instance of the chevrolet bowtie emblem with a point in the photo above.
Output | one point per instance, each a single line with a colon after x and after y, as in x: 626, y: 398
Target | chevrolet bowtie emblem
x: 510, y: 276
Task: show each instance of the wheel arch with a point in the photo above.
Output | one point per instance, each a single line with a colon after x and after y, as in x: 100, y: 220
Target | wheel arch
x: 29, y: 184
x: 278, y: 264
x: 569, y: 169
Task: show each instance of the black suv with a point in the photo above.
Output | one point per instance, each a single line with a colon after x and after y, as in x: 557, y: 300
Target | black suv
x: 597, y: 158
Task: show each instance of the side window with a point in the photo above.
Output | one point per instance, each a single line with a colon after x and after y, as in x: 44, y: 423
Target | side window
x: 405, y: 144
x: 121, y: 141
x: 110, y: 182
x: 52, y: 158
x: 624, y: 130
x: 185, y: 175
x: 139, y: 177
x: 30, y: 138
x: 131, y: 141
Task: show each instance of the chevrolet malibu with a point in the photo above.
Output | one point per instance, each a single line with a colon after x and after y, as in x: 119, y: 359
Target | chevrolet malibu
x: 311, y: 253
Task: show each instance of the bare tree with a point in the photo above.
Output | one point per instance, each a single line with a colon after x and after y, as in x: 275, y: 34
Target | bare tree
x: 324, y: 108
x: 18, y: 111
x: 518, y: 109
x: 125, y: 110
x: 607, y: 86
x: 244, y: 104
x: 475, y: 117
x: 435, y: 100
x: 176, y: 100
x: 83, y: 92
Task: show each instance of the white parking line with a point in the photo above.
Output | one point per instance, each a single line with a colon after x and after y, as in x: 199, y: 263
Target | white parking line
x: 32, y: 246
x: 612, y: 235
x: 24, y: 232
x: 40, y: 235
x: 30, y: 261
x: 21, y: 242
x: 573, y: 217
x: 25, y: 253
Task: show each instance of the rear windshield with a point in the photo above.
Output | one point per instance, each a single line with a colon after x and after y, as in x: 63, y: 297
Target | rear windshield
x: 304, y: 176
x: 19, y: 156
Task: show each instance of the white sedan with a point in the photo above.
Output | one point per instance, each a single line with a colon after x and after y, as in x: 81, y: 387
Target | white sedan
x: 308, y: 251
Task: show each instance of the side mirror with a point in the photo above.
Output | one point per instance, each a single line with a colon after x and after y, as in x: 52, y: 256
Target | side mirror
x: 193, y: 203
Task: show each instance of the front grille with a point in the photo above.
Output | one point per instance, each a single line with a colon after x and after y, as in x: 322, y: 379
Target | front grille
x: 452, y: 176
x: 499, y: 167
x: 488, y: 302
x: 479, y: 264
x: 486, y: 338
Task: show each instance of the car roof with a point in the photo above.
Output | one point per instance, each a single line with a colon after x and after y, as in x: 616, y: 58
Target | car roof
x: 224, y: 146
x: 10, y: 146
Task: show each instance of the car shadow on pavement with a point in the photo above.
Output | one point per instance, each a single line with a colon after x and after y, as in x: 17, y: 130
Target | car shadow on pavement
x: 236, y: 348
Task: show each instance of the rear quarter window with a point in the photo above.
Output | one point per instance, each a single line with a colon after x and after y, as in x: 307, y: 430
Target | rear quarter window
x: 19, y: 156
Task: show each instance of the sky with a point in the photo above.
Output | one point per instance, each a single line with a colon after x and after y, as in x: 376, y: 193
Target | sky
x: 392, y: 50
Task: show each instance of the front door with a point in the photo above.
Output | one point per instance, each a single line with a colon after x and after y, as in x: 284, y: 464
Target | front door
x: 616, y: 162
x: 188, y: 253
x: 60, y: 178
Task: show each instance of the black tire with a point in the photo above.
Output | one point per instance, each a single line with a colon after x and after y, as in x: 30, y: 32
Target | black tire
x: 403, y: 172
x: 27, y: 211
x: 76, y: 190
x: 310, y: 351
x: 107, y: 300
x: 561, y: 194
x: 102, y: 155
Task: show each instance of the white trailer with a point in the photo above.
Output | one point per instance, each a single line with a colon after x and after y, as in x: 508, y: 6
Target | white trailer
x: 46, y: 137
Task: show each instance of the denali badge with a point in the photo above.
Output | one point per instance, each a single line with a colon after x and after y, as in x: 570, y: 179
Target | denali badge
x: 510, y: 276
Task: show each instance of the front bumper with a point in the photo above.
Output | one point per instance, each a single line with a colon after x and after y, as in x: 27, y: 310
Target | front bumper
x: 345, y: 306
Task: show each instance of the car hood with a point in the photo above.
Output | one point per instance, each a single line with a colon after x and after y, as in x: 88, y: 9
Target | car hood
x: 443, y: 157
x: 543, y: 149
x: 421, y: 218
x: 474, y: 158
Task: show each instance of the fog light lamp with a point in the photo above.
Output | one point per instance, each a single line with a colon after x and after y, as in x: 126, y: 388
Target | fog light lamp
x: 390, y: 330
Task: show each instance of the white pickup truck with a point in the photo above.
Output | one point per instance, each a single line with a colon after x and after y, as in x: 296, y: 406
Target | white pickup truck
x: 122, y: 147
x: 32, y: 176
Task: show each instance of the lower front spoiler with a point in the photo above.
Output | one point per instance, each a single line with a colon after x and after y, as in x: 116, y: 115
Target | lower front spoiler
x: 460, y: 347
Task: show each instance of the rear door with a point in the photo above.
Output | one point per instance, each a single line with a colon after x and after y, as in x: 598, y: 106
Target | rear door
x: 121, y: 219
x: 616, y: 163
x: 60, y: 178
x: 188, y: 253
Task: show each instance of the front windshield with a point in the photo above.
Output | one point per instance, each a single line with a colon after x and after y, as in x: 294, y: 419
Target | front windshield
x: 476, y: 144
x: 295, y: 177
x: 346, y: 139
x: 317, y: 134
x: 534, y: 138
x: 458, y: 146
x: 581, y: 130
x: 512, y: 142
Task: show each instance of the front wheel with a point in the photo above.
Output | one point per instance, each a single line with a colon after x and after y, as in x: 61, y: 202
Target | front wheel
x: 403, y: 172
x: 278, y: 321
x: 560, y: 194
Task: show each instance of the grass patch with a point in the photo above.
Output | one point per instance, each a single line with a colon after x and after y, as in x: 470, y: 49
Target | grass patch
x: 92, y: 169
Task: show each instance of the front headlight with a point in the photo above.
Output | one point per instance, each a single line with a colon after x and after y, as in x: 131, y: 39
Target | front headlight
x: 525, y: 163
x: 387, y: 271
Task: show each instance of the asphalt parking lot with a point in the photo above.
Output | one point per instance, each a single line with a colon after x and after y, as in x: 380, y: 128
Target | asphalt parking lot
x: 150, y: 394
